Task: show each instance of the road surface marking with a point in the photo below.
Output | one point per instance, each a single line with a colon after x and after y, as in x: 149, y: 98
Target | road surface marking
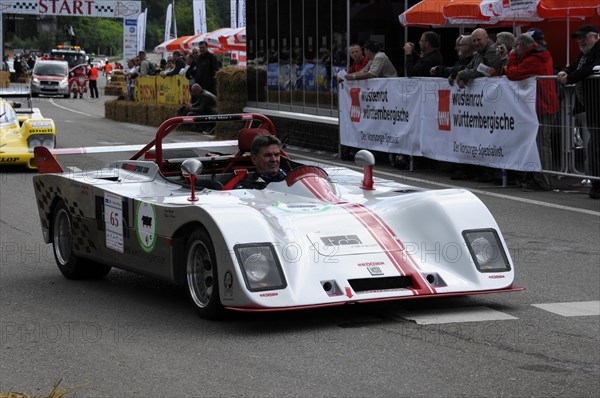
x: 453, y: 315
x: 576, y: 308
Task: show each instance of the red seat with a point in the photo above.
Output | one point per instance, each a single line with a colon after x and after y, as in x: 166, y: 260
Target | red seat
x: 245, y: 138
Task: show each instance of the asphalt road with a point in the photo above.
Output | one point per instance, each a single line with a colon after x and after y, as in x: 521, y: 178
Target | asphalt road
x: 134, y: 336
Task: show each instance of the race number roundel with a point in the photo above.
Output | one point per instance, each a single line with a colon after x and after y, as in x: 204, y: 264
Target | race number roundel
x: 145, y: 226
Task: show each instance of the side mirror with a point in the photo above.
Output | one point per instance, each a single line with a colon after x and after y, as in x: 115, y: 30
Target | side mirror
x: 365, y: 159
x: 191, y: 167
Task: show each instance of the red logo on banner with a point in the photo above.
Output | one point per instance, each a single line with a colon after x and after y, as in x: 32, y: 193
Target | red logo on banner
x: 444, y: 110
x: 355, y: 105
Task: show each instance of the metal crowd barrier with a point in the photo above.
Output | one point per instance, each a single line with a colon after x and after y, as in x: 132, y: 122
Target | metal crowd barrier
x: 566, y: 142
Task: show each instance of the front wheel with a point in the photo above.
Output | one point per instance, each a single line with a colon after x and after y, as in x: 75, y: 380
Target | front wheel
x: 69, y: 264
x: 202, y: 276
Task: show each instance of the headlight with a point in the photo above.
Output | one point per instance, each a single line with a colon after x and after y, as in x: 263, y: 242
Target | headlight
x: 32, y: 143
x: 35, y: 80
x: 260, y: 266
x: 486, y: 250
x: 48, y: 142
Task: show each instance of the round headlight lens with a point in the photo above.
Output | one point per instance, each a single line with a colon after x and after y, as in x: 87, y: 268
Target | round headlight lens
x: 483, y: 250
x: 48, y: 143
x: 33, y: 143
x: 256, y: 267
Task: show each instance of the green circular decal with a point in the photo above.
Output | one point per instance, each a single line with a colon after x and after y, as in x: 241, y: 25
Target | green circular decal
x: 145, y: 225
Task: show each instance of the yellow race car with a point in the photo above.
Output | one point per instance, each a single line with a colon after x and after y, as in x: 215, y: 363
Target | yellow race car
x: 22, y: 128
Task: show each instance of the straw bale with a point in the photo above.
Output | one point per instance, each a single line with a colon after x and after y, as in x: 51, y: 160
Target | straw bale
x: 231, y: 84
x: 137, y: 113
x: 109, y: 109
x: 115, y: 88
x: 121, y: 110
x: 117, y: 76
x: 4, y: 79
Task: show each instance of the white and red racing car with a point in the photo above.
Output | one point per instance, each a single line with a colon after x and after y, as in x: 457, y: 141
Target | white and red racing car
x: 326, y: 236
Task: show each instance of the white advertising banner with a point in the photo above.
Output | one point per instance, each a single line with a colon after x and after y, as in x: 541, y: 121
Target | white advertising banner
x: 168, y: 22
x: 241, y: 20
x: 141, y: 28
x: 130, y: 39
x: 381, y: 114
x: 492, y: 122
x: 233, y: 13
x: 199, y: 7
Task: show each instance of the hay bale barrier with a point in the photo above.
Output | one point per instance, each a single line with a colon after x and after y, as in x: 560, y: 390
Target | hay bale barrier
x: 125, y: 111
x: 231, y: 98
x: 117, y: 85
x: 4, y: 79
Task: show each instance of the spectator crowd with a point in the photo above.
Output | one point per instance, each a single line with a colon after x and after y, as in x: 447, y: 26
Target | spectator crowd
x: 516, y: 58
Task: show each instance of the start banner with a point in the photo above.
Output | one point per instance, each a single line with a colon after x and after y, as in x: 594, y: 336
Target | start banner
x: 491, y: 123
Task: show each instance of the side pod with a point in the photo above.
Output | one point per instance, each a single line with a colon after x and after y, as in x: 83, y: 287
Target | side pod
x: 45, y: 161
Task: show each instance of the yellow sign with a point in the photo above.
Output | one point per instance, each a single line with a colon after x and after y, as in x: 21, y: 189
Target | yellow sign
x: 145, y: 89
x: 170, y: 90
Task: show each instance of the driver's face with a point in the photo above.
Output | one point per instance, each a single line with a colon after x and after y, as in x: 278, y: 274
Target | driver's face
x: 267, y: 160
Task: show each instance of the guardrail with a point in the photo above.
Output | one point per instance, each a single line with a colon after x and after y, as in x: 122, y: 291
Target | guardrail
x: 567, y: 144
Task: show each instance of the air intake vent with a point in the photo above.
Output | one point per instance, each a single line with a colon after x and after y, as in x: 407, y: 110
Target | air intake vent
x: 392, y: 282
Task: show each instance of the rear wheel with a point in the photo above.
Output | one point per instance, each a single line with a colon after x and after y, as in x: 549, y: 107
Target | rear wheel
x: 202, y: 276
x: 69, y: 264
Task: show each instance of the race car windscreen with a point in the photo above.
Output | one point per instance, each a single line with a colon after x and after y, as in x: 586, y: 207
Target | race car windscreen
x: 50, y: 69
x: 8, y: 116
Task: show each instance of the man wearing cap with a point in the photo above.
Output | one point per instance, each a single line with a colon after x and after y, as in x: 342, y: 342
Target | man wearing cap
x: 538, y: 36
x: 379, y: 64
x: 587, y: 92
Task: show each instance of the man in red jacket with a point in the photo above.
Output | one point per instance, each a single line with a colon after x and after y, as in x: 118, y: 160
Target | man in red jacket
x: 530, y: 59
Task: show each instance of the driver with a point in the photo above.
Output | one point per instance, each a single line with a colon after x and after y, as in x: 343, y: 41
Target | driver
x: 266, y: 157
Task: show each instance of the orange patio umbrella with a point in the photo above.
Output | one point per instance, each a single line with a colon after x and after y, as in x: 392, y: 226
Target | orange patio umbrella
x: 555, y: 9
x: 527, y: 10
x: 176, y: 44
x: 424, y: 13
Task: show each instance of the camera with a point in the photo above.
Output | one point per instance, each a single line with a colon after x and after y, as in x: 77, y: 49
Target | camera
x: 500, y: 49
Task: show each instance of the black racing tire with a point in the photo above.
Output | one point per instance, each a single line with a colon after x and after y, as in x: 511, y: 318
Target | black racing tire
x: 69, y: 264
x: 202, y: 277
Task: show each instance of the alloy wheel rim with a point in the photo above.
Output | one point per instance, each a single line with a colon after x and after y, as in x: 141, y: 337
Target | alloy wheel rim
x: 200, y: 274
x: 62, y: 237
